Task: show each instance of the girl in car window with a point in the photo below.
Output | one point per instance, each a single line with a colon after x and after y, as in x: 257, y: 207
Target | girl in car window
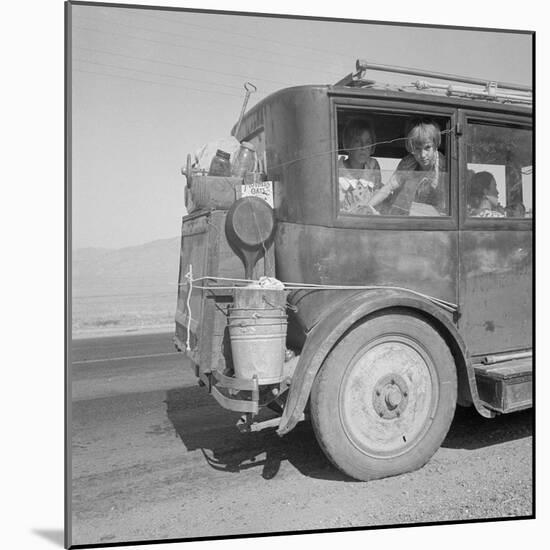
x: 359, y: 174
x: 483, y: 197
x: 417, y: 187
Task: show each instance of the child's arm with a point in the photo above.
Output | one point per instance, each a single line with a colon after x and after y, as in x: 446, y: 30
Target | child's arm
x: 395, y: 182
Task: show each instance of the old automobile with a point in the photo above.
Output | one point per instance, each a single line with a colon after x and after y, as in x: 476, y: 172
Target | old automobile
x: 374, y: 327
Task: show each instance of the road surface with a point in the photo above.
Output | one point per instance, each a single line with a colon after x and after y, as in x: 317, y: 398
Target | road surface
x: 154, y: 457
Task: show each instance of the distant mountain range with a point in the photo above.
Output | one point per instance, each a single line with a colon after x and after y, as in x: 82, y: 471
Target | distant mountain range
x: 146, y: 268
x: 126, y: 289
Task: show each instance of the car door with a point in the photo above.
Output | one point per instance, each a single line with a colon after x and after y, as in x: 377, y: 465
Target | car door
x: 495, y: 243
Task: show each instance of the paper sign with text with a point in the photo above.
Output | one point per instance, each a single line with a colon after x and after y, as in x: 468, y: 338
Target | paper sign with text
x: 261, y: 189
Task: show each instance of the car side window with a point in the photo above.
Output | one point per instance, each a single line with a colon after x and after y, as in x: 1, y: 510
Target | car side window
x: 499, y: 171
x: 393, y: 164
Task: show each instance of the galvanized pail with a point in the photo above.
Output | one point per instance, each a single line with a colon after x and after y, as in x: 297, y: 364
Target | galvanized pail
x: 258, y: 334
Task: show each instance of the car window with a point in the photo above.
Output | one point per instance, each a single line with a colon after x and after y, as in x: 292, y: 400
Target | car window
x: 393, y: 164
x: 499, y: 171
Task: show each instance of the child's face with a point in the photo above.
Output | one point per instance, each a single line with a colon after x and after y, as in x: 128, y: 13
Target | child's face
x: 360, y: 149
x: 424, y: 153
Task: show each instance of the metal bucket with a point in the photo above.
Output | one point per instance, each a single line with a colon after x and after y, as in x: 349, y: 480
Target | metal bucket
x: 259, y: 298
x: 258, y: 335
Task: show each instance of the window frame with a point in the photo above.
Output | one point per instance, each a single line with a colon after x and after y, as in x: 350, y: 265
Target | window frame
x: 470, y: 116
x: 399, y: 107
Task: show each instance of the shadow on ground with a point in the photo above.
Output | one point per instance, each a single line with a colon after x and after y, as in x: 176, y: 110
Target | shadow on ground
x: 471, y: 431
x: 203, y: 425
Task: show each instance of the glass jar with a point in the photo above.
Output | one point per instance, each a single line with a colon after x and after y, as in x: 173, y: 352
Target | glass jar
x: 220, y: 165
x: 244, y: 161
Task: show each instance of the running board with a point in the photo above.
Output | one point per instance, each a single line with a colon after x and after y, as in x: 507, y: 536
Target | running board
x: 506, y: 387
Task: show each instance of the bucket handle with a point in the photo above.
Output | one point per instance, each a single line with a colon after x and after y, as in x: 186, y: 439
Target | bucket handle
x: 273, y: 305
x: 258, y: 316
x: 257, y: 308
x: 287, y: 305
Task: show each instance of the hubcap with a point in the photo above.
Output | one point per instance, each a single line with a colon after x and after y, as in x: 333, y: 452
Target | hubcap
x: 388, y: 396
x: 393, y: 398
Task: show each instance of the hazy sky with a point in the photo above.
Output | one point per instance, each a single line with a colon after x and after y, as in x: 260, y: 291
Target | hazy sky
x: 149, y: 86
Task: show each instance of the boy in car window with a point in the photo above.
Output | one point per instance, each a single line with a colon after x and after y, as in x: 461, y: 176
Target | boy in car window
x: 418, y: 185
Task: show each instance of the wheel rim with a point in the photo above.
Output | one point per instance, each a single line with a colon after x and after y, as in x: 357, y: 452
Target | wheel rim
x: 388, y: 396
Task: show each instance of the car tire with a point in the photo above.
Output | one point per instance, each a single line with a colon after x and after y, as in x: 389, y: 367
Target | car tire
x: 384, y: 398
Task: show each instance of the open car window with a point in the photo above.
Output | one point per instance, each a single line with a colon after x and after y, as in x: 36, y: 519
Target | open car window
x: 373, y: 158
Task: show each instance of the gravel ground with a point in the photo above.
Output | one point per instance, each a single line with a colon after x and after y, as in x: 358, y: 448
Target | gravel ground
x: 156, y: 465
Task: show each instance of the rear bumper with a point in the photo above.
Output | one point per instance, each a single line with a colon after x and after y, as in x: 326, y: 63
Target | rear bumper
x: 235, y: 394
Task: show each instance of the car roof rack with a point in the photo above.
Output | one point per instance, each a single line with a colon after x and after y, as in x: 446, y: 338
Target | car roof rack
x: 490, y: 90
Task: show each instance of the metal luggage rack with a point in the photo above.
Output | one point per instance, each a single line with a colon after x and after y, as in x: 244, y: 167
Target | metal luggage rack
x: 503, y: 92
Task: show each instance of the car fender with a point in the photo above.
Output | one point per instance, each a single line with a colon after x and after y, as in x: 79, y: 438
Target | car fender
x: 335, y: 323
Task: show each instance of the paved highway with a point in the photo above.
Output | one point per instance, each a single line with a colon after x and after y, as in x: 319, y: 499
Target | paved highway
x: 116, y: 365
x: 155, y: 457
